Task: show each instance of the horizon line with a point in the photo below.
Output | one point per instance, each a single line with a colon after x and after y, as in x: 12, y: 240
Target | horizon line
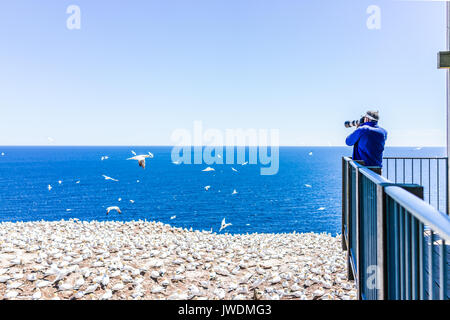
x: 164, y: 145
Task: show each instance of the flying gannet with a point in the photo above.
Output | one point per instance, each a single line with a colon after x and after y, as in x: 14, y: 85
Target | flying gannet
x: 224, y: 225
x: 141, y: 159
x: 208, y: 169
x: 109, y: 178
x: 113, y: 208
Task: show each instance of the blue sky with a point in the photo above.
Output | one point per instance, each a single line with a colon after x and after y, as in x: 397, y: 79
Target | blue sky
x: 138, y: 70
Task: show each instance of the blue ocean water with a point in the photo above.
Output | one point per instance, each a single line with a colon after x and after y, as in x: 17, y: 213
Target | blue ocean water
x: 279, y: 203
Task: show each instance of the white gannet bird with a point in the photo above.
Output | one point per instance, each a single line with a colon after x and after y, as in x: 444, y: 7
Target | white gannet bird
x: 234, y: 191
x: 109, y: 178
x: 234, y: 169
x: 207, y: 188
x: 116, y: 208
x: 176, y: 162
x: 310, y: 153
x: 224, y: 225
x: 49, y: 187
x: 321, y: 209
x: 134, y: 153
x: 208, y: 169
x: 172, y: 217
x: 77, y: 182
x: 3, y: 154
x: 132, y: 201
x: 245, y: 163
x: 104, y: 158
x: 308, y: 185
x: 141, y: 159
x: 59, y: 181
x: 120, y: 199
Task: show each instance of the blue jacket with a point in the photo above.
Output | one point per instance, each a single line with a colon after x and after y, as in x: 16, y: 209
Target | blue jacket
x: 368, y: 141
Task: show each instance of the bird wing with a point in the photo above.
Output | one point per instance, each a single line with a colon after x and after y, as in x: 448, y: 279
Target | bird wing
x: 142, y: 163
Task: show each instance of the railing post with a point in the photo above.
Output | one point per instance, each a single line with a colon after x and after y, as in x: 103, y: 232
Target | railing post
x: 344, y: 201
x: 350, y: 275
x: 381, y: 243
x: 358, y: 235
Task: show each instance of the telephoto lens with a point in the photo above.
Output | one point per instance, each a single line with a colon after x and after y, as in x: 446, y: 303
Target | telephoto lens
x: 349, y: 124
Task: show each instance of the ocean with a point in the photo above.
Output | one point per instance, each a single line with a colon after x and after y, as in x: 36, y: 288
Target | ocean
x: 304, y: 196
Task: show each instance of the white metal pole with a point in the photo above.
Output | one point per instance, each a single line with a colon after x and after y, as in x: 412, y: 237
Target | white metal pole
x: 448, y: 108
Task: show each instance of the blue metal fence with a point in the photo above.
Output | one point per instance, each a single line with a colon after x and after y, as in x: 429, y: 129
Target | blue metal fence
x: 395, y: 241
x: 429, y: 172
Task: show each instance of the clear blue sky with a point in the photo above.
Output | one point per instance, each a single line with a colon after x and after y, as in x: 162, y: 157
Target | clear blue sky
x: 137, y: 70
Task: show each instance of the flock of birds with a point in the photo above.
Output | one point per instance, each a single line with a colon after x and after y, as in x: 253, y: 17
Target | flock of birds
x: 141, y: 162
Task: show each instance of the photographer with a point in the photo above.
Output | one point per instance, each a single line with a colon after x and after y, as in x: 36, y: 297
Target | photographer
x: 368, y: 139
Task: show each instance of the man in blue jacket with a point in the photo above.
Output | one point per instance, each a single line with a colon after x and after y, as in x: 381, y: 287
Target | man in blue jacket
x: 368, y: 140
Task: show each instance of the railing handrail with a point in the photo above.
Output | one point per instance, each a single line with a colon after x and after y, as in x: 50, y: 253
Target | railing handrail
x: 423, y: 211
x: 413, y: 158
x: 376, y: 178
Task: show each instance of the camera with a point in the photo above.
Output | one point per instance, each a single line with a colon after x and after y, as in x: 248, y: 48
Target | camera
x: 354, y: 123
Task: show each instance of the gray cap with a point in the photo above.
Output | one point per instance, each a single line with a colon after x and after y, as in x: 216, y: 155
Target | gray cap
x: 372, y: 115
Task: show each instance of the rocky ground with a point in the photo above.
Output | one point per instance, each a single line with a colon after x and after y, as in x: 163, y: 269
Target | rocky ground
x: 148, y: 260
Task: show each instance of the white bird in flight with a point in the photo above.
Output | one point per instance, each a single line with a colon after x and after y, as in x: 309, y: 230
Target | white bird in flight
x: 321, y: 209
x: 308, y: 186
x: 245, y: 163
x: 176, y: 162
x: 207, y: 188
x: 141, y: 159
x: 109, y: 178
x: 310, y: 153
x: 134, y: 153
x: 209, y: 169
x: 104, y: 158
x: 132, y: 201
x: 113, y: 208
x: 224, y: 225
x: 234, y: 169
x: 234, y: 191
x: 3, y: 154
x: 172, y: 217
x: 49, y: 187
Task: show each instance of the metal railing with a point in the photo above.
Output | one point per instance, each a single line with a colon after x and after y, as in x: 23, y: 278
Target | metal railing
x: 395, y: 241
x: 429, y: 172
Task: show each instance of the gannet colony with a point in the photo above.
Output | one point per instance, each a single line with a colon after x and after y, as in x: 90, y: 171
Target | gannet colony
x: 150, y: 260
